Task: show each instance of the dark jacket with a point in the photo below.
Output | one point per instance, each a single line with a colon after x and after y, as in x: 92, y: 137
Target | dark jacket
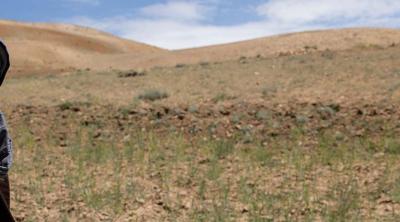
x: 5, y: 147
x: 4, y: 62
x: 5, y: 141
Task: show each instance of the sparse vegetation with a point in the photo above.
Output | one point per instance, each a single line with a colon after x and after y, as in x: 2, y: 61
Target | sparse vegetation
x: 153, y: 95
x: 324, y: 147
x: 262, y: 115
x: 131, y: 73
x: 66, y: 105
x: 310, y: 47
x: 328, y: 54
x: 180, y: 65
x: 222, y: 97
x: 204, y: 64
x: 269, y: 90
x: 110, y: 175
x: 369, y: 46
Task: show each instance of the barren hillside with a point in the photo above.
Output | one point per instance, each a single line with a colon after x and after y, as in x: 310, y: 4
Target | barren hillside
x: 54, y: 48
x: 43, y: 48
x: 297, y: 127
x: 288, y: 44
x: 308, y: 137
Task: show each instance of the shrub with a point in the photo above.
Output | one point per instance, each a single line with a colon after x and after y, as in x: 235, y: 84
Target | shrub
x: 131, y: 73
x: 65, y: 105
x: 262, y: 115
x: 310, y: 47
x: 204, y: 63
x: 328, y: 54
x: 222, y: 97
x: 392, y: 146
x: 193, y: 109
x: 269, y: 90
x: 180, y: 65
x: 222, y: 149
x: 153, y: 95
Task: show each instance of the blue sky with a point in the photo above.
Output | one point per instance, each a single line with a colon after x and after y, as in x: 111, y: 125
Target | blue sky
x: 175, y: 24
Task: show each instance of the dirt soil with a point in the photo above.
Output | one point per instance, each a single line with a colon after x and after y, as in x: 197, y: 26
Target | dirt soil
x: 310, y: 136
x: 85, y: 162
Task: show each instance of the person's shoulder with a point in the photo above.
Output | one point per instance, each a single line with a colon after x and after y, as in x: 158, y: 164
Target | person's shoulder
x: 3, y: 48
x: 4, y: 61
x: 2, y: 44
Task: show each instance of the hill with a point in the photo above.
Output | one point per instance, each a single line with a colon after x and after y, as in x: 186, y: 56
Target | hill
x: 44, y: 48
x: 38, y: 48
x: 294, y: 137
x: 298, y: 127
x: 288, y: 44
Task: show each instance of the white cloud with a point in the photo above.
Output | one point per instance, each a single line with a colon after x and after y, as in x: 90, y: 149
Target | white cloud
x: 327, y: 10
x: 172, y: 34
x: 184, y: 24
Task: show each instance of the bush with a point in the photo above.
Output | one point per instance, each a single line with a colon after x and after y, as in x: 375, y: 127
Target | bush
x: 222, y: 97
x: 65, y: 105
x: 204, y: 63
x: 131, y: 73
x: 180, y: 65
x: 222, y: 149
x: 392, y: 146
x: 269, y: 90
x: 328, y: 54
x: 262, y: 115
x: 152, y: 95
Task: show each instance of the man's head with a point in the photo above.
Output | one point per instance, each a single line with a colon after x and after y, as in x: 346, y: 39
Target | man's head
x: 4, y: 62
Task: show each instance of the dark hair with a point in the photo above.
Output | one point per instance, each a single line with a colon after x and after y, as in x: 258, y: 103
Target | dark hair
x: 4, y: 62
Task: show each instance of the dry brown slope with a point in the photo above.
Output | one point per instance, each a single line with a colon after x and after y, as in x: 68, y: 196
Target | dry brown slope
x: 41, y: 48
x: 336, y: 39
x: 45, y: 48
x: 340, y: 39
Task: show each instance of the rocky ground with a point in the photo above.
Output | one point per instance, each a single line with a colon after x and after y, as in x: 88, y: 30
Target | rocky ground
x: 312, y: 136
x: 218, y: 161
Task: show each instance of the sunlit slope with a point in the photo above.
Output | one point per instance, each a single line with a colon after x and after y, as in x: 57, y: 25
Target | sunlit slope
x: 280, y: 45
x: 43, y: 48
x: 54, y: 48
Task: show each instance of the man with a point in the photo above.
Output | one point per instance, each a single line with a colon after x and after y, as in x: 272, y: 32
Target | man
x: 5, y: 148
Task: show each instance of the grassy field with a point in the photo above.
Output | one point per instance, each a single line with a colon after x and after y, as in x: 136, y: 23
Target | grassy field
x: 311, y: 137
